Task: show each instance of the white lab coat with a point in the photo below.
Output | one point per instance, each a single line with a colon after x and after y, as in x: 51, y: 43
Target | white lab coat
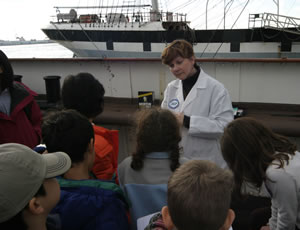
x: 209, y: 107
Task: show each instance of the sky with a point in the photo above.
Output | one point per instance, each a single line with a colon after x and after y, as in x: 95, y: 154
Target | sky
x: 25, y: 18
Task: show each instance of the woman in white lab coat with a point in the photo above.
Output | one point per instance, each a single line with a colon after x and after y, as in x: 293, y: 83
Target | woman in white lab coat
x: 201, y: 103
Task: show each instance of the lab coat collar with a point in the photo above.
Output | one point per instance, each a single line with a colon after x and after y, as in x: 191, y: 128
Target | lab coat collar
x: 201, y: 82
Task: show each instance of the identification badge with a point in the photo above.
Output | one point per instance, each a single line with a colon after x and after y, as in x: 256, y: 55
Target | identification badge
x: 173, y: 104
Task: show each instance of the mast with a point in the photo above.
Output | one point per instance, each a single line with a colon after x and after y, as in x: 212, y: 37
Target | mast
x: 277, y: 3
x: 155, y: 5
x: 154, y: 13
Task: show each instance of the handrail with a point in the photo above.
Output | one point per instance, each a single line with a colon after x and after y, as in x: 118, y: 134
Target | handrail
x: 139, y: 16
x: 275, y: 21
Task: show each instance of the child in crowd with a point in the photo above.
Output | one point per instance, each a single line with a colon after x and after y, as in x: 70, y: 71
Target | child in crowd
x: 85, y: 203
x: 199, y: 195
x: 84, y: 93
x: 261, y: 157
x: 29, y: 189
x: 156, y: 157
x: 20, y: 116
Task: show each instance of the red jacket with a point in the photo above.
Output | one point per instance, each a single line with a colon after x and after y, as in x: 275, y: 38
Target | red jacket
x: 23, y: 125
x: 107, y: 150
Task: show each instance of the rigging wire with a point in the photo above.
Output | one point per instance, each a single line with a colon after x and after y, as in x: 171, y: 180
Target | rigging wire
x: 182, y: 6
x: 291, y: 6
x: 187, y: 8
x: 106, y: 10
x: 101, y: 13
x: 232, y: 26
x: 194, y: 19
x: 95, y: 10
x: 121, y: 14
x: 240, y: 14
x: 233, y: 10
x: 213, y: 34
x: 115, y: 13
x: 192, y: 8
x: 166, y: 5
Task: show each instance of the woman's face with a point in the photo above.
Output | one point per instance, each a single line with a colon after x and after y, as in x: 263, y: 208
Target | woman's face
x: 182, y: 68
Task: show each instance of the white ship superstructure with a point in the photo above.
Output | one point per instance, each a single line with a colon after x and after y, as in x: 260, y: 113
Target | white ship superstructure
x: 144, y: 34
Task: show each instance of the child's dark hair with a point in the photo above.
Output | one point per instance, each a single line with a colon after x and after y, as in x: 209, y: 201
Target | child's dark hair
x: 84, y: 93
x: 67, y: 131
x: 157, y: 131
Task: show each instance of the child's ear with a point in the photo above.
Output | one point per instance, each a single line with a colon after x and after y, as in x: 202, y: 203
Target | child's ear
x: 229, y: 220
x: 35, y: 206
x: 91, y: 148
x: 91, y: 145
x: 167, y: 218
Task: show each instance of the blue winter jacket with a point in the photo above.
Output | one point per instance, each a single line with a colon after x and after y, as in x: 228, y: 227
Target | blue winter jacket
x: 91, y: 205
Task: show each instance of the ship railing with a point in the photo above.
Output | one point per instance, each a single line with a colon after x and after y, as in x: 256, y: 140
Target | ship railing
x: 275, y: 21
x: 116, y: 18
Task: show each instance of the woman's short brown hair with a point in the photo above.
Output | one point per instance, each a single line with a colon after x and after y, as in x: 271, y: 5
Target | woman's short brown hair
x: 180, y: 48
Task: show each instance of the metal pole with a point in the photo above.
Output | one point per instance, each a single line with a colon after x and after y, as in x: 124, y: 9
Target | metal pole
x: 206, y: 13
x: 155, y: 5
x: 224, y: 12
x: 277, y: 3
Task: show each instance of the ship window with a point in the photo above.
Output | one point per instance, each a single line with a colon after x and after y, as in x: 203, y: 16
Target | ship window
x: 110, y: 45
x: 234, y: 47
x: 147, y: 46
x: 286, y: 46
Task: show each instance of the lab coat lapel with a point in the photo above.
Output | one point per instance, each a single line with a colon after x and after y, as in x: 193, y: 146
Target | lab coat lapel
x: 190, y: 97
x: 200, y: 83
x: 179, y: 95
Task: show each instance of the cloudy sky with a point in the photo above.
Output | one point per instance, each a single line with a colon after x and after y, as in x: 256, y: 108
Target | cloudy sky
x: 27, y: 17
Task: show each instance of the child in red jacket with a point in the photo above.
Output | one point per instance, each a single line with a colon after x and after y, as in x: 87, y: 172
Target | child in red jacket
x: 84, y: 93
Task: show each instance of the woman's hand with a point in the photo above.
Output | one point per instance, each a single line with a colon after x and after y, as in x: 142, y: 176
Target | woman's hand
x: 265, y: 228
x: 179, y: 117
